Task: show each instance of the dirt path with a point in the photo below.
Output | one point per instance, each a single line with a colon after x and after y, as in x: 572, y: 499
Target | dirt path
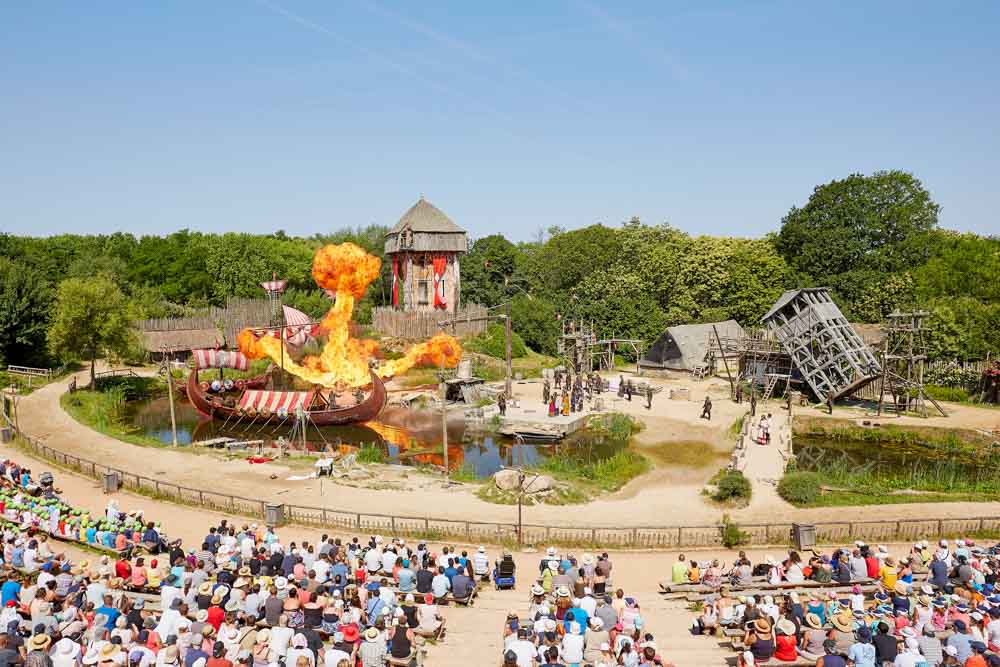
x: 665, y: 497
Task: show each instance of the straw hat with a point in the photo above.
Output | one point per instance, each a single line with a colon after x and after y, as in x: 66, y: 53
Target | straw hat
x: 39, y: 642
x: 762, y: 625
x: 217, y: 599
x: 537, y: 589
x: 844, y: 622
x: 244, y: 572
x: 116, y: 582
x: 562, y: 592
x: 108, y: 651
x: 371, y: 634
x: 587, y: 559
x: 785, y: 627
x: 205, y: 588
x: 813, y: 621
x: 201, y: 616
x: 901, y: 588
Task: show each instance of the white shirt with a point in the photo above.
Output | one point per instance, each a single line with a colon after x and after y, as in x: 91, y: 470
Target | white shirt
x: 322, y: 570
x: 588, y: 604
x: 280, y: 638
x: 332, y: 656
x: 388, y: 561
x: 572, y: 648
x: 373, y: 560
x: 525, y: 652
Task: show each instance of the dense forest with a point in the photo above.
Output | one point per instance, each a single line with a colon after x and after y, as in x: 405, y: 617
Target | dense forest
x: 874, y: 240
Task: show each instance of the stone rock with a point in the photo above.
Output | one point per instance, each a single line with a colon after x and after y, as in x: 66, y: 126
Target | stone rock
x: 358, y: 474
x: 539, y: 484
x: 506, y: 480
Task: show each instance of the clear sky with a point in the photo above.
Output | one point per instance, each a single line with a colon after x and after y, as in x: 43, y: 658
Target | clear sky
x: 223, y: 115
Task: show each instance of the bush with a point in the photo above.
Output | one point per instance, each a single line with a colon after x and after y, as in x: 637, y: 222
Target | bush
x: 953, y: 394
x: 800, y: 488
x: 732, y: 485
x: 370, y: 453
x: 492, y: 343
x: 731, y: 534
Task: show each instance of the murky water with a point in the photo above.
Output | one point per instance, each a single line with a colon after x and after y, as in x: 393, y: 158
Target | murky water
x: 406, y: 437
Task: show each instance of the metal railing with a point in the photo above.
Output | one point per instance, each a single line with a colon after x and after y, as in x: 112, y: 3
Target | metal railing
x: 638, y: 537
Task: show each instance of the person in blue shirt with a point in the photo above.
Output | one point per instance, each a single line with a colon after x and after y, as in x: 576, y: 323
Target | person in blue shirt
x: 91, y: 533
x: 108, y: 609
x: 10, y: 590
x: 450, y: 571
x: 17, y: 556
x: 25, y: 479
x: 407, y: 578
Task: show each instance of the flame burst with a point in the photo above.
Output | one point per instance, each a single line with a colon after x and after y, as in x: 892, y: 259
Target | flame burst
x: 347, y: 270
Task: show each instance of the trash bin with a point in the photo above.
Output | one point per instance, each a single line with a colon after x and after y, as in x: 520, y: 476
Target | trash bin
x: 6, y: 435
x: 111, y: 482
x: 274, y: 514
x: 803, y: 535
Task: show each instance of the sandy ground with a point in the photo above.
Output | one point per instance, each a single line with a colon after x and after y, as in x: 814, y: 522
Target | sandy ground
x: 667, y: 496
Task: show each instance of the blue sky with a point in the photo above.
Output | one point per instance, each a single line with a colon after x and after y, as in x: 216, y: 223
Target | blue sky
x: 311, y: 116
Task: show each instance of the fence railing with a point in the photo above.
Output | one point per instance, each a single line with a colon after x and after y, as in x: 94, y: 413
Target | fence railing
x: 468, y: 321
x: 28, y: 371
x: 638, y: 537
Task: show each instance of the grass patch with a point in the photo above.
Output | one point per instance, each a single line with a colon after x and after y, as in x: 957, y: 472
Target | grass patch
x: 608, y: 474
x: 369, y: 453
x: 737, y: 426
x: 104, y: 409
x: 686, y: 453
x: 467, y: 473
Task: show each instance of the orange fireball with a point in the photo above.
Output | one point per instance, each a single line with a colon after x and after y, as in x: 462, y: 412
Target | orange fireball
x: 347, y: 270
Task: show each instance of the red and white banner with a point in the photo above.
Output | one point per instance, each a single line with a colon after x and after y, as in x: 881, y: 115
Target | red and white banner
x: 395, y: 282
x: 440, y: 264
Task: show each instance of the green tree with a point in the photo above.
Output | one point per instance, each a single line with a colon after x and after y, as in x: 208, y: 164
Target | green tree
x: 24, y: 307
x: 569, y: 257
x: 489, y: 270
x: 534, y: 319
x: 876, y: 225
x: 90, y: 319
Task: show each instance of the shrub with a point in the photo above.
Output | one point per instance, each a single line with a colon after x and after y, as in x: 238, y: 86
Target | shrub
x: 731, y: 534
x: 492, y: 343
x: 953, y: 394
x: 732, y: 485
x: 800, y: 488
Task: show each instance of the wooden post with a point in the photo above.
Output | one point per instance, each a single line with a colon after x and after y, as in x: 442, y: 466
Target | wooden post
x: 732, y: 387
x: 170, y: 391
x: 507, y: 351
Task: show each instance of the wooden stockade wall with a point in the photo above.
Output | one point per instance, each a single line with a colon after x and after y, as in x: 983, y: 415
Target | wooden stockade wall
x: 239, y: 314
x: 640, y: 537
x: 419, y: 325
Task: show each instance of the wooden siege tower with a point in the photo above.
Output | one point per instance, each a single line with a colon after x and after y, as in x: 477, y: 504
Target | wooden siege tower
x: 832, y: 358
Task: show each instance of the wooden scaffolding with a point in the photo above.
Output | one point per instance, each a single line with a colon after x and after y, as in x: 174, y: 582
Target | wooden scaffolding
x: 584, y: 352
x: 903, y: 356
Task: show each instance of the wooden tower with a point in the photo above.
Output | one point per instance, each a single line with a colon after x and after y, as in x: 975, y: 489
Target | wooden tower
x: 424, y: 249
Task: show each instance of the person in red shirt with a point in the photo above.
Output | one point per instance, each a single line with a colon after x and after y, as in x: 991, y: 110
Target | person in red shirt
x: 785, y: 644
x: 123, y: 569
x: 216, y: 614
x: 218, y: 658
x: 872, y: 564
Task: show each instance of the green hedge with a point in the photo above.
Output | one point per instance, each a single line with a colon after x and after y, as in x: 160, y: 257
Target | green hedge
x: 732, y: 485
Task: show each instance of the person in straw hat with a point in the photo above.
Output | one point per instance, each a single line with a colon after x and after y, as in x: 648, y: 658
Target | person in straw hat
x: 759, y: 639
x: 372, y: 651
x: 811, y: 645
x: 785, y: 640
x: 843, y: 631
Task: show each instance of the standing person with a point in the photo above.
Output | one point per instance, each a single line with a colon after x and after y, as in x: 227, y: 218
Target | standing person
x: 829, y: 402
x: 706, y: 409
x: 621, y: 386
x: 565, y: 403
x: 649, y: 397
x: 739, y: 393
x: 502, y: 403
x: 546, y: 390
x: 753, y: 402
x: 552, y: 405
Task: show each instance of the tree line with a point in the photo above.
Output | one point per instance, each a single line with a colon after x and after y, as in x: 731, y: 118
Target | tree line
x: 873, y: 239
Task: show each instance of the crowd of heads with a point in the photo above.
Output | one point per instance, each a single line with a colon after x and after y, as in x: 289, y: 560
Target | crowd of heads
x: 934, y: 605
x: 576, y: 617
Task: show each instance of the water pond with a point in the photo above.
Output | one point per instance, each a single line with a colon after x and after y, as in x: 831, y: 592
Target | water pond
x: 405, y: 437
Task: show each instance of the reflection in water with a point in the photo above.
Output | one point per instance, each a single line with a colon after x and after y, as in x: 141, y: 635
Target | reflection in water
x: 405, y: 436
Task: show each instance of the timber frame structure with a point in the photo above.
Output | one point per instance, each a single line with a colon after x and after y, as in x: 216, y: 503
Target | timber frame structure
x: 832, y: 358
x: 903, y: 356
x: 585, y: 352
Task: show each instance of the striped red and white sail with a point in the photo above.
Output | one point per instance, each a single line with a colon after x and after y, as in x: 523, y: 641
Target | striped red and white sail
x: 299, y: 327
x: 220, y: 359
x: 275, y: 400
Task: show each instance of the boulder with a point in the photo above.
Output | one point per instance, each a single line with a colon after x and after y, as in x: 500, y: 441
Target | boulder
x: 506, y: 480
x: 539, y: 484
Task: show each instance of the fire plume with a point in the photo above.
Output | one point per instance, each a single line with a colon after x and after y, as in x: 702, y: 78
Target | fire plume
x: 347, y: 270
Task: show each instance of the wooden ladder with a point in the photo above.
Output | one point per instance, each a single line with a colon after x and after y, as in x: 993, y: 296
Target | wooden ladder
x: 772, y: 381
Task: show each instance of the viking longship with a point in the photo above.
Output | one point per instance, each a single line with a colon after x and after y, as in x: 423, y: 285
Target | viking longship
x: 247, y: 401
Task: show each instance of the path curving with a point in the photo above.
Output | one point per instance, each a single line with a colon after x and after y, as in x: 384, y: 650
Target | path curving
x: 652, y: 500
